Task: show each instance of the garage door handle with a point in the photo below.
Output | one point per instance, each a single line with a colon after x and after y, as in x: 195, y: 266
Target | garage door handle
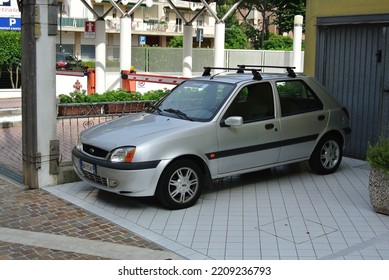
x: 269, y: 126
x: 321, y: 118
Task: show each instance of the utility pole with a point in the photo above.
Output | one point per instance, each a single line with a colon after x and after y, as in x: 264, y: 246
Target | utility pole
x: 40, y: 149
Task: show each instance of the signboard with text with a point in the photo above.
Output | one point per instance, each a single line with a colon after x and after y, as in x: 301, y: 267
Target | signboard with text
x: 90, y: 29
x: 9, y: 8
x: 11, y: 24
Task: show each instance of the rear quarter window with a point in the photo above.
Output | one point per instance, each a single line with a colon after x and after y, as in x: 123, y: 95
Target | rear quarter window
x: 297, y: 98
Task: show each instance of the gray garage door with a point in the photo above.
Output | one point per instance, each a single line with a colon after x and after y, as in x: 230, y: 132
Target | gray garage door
x: 351, y: 59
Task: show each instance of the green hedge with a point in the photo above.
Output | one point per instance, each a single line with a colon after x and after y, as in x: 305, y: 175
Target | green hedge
x: 111, y: 96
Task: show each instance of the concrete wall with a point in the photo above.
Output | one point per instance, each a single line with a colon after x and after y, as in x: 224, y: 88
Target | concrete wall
x: 328, y: 8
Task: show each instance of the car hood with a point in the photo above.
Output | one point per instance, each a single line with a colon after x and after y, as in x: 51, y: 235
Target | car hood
x: 132, y: 130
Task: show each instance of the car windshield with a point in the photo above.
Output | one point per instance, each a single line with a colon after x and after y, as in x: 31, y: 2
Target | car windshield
x: 195, y: 100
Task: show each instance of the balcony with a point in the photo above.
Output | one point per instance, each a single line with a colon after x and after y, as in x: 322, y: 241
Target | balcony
x: 147, y: 26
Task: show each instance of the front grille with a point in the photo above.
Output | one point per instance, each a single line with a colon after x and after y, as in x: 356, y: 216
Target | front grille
x: 96, y: 178
x: 94, y: 151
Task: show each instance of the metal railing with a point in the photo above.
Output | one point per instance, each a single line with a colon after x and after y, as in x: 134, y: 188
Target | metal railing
x: 139, y: 26
x: 73, y: 118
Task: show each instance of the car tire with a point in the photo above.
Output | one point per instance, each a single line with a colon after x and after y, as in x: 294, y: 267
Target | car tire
x: 180, y: 184
x: 327, y: 155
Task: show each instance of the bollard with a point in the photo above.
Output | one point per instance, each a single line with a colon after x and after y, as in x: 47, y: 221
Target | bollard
x: 128, y: 84
x: 91, y: 81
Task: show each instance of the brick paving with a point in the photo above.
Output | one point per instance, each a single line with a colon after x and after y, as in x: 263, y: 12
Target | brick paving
x: 39, y: 211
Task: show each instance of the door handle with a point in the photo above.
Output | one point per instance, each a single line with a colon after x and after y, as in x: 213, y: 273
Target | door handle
x: 269, y: 126
x: 321, y: 118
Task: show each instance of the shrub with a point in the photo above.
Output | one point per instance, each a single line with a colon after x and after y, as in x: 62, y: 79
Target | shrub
x: 378, y: 155
x: 111, y: 96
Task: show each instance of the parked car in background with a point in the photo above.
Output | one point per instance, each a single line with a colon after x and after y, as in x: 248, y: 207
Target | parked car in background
x: 211, y: 127
x: 66, y: 61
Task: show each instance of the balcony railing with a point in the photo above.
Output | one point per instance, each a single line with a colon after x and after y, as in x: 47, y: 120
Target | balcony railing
x: 151, y: 26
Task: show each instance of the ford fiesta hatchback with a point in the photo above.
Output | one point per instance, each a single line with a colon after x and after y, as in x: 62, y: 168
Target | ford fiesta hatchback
x: 214, y: 126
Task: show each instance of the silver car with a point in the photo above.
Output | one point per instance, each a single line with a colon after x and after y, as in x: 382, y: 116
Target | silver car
x: 211, y: 127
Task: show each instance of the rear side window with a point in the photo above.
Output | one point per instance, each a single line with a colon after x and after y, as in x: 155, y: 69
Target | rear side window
x: 297, y: 98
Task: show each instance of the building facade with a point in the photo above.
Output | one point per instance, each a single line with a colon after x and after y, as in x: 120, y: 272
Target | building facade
x: 152, y: 26
x: 158, y: 24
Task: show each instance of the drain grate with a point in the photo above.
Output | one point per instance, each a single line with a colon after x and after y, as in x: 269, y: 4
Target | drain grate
x: 297, y: 229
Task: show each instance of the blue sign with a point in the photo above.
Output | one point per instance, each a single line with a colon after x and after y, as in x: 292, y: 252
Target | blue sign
x: 142, y: 40
x: 13, y: 24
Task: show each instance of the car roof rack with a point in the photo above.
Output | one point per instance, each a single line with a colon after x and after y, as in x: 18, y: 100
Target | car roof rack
x: 289, y: 69
x: 255, y: 71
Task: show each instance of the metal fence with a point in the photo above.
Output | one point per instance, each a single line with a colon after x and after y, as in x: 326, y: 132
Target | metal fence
x: 74, y: 118
x: 169, y: 60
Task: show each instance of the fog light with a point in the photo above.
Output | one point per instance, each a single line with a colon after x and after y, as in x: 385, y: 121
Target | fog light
x: 113, y: 183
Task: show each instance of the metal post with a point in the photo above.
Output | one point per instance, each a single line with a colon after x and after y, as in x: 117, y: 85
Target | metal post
x: 125, y: 43
x: 219, y: 45
x: 100, y: 55
x: 187, y: 51
x: 297, y: 38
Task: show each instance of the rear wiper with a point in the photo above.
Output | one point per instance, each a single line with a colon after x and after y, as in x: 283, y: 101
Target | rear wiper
x: 178, y: 113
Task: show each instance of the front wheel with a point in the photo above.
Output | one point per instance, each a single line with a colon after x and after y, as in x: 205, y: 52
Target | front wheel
x: 180, y: 184
x: 327, y: 155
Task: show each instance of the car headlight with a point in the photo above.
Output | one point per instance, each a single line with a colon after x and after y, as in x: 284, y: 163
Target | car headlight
x: 124, y: 154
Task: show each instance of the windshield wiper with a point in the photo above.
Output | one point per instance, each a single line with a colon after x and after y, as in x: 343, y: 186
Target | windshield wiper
x: 152, y: 106
x: 178, y: 113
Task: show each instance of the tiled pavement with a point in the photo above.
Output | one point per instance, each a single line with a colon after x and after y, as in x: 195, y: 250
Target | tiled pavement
x: 283, y: 213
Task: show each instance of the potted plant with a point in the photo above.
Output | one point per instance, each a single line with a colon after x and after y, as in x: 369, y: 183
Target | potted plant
x: 378, y: 158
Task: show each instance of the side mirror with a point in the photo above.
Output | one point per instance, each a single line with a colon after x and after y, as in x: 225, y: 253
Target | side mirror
x: 233, y: 121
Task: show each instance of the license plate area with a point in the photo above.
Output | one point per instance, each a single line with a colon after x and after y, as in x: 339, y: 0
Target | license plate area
x: 88, y: 167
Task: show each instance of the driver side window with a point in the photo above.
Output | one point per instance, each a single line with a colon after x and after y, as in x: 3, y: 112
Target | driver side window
x: 254, y: 102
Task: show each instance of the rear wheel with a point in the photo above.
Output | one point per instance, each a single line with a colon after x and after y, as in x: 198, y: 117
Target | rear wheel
x: 327, y: 155
x: 180, y: 184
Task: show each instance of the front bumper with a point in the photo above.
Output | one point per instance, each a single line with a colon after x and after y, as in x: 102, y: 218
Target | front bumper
x: 134, y: 179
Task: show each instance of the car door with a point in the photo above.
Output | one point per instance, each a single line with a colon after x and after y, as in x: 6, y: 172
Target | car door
x: 302, y: 119
x: 256, y: 141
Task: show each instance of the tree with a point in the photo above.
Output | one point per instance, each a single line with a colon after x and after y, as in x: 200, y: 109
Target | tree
x: 266, y: 8
x: 11, y: 54
x: 285, y: 12
x: 235, y: 38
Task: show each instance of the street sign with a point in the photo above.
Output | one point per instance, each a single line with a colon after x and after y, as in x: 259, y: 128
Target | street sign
x: 13, y: 24
x: 199, y: 34
x: 142, y: 40
x: 90, y: 29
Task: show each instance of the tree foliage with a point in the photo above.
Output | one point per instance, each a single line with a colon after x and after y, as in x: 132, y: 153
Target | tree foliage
x: 176, y: 42
x: 278, y: 42
x: 235, y: 38
x: 285, y: 12
x: 10, y: 53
